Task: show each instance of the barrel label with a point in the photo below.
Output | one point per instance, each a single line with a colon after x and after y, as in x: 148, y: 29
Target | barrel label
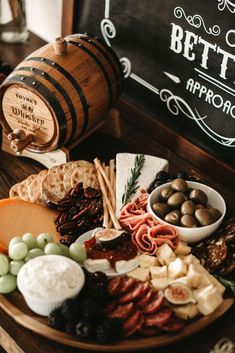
x: 23, y: 109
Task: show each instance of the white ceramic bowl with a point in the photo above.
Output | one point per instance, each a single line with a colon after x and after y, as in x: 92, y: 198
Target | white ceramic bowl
x: 46, y: 281
x: 192, y: 235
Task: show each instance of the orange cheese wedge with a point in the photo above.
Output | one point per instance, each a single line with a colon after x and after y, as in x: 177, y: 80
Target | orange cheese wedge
x: 18, y: 217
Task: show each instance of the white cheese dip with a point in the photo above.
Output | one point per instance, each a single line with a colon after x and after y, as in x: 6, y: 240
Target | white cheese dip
x: 50, y: 277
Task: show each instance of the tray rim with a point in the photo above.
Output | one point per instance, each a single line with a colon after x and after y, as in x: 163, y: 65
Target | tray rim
x: 38, y: 327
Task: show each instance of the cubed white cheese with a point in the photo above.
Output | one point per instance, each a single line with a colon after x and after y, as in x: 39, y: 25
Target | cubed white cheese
x: 147, y: 260
x: 183, y: 280
x: 160, y: 283
x: 142, y: 274
x: 190, y: 259
x: 210, y: 278
x: 126, y: 266
x: 124, y: 164
x: 208, y: 299
x: 197, y: 278
x: 165, y: 254
x: 177, y: 268
x: 182, y: 249
x: 158, y: 271
x: 186, y: 312
x: 97, y: 264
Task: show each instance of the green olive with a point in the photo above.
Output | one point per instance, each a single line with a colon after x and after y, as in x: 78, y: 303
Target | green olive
x: 198, y: 196
x: 204, y: 217
x: 160, y: 209
x: 176, y: 200
x: 188, y: 220
x: 215, y: 213
x: 173, y: 217
x: 166, y: 193
x: 188, y: 207
x: 179, y: 185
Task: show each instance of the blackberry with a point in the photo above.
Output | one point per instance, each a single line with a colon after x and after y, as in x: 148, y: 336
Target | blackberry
x: 99, y: 291
x: 84, y: 329
x: 162, y: 175
x: 56, y: 319
x: 109, y: 330
x: 70, y: 327
x: 90, y: 309
x: 69, y: 309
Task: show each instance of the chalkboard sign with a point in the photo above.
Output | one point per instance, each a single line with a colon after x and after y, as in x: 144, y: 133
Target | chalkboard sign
x: 179, y: 60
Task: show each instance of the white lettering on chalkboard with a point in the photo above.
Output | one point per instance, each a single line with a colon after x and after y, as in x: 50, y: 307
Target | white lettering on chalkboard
x: 184, y: 42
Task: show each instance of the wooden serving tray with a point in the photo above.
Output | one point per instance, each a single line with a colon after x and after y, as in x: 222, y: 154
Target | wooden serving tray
x: 15, y: 306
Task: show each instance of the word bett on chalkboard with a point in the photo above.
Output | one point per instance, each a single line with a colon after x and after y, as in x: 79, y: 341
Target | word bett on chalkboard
x: 178, y: 57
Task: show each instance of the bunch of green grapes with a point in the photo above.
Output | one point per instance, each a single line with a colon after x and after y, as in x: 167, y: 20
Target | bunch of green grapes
x: 27, y: 247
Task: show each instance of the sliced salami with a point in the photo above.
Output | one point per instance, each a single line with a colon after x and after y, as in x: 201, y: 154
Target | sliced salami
x: 114, y: 286
x: 133, y: 321
x: 159, y: 319
x: 154, y: 305
x: 127, y: 285
x: 145, y: 299
x: 150, y: 331
x: 135, y: 293
x: 174, y: 324
x: 122, y: 311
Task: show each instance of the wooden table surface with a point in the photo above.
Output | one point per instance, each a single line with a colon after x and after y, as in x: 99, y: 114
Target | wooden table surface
x: 14, y: 338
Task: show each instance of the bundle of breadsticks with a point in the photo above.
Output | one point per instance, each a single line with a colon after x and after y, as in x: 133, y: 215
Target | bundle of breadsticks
x: 107, y: 179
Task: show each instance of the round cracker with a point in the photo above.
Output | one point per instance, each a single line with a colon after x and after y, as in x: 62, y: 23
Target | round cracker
x: 85, y: 175
x: 30, y: 179
x: 56, y: 169
x: 67, y: 166
x: 43, y: 172
x: 23, y: 191
x: 34, y: 189
x: 82, y: 163
x: 13, y: 192
x: 54, y: 184
x: 67, y: 179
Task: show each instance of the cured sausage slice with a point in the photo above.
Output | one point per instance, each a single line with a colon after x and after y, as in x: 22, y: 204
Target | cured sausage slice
x: 154, y: 305
x: 127, y: 285
x: 122, y: 311
x: 174, y: 324
x: 160, y: 318
x: 134, y: 320
x: 150, y: 331
x: 145, y: 299
x: 135, y: 293
x: 114, y: 286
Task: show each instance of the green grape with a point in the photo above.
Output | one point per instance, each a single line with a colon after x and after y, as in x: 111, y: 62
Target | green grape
x: 78, y: 252
x: 15, y: 266
x: 18, y: 251
x: 43, y: 239
x: 65, y: 249
x: 7, y: 283
x: 29, y: 240
x: 4, y: 265
x: 53, y: 249
x: 33, y: 253
x: 15, y: 240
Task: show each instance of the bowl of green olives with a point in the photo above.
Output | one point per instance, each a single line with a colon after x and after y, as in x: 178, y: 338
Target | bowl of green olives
x: 194, y: 209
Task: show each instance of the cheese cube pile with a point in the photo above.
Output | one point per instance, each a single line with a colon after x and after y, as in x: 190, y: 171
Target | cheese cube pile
x: 170, y: 266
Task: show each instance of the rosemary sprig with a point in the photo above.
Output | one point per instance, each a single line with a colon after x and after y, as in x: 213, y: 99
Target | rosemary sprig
x: 227, y: 283
x: 131, y: 185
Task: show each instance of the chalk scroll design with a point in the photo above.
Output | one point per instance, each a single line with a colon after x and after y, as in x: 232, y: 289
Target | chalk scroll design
x: 228, y: 35
x: 224, y: 345
x: 174, y: 103
x: 196, y: 21
x: 226, y: 3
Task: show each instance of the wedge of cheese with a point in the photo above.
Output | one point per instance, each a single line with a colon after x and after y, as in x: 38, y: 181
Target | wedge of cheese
x: 124, y: 164
x: 18, y: 217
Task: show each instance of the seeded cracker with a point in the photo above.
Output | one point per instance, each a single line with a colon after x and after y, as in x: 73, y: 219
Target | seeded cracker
x: 54, y: 184
x: 85, y: 175
x: 34, y: 189
x: 13, y: 193
x: 23, y: 191
x: 30, y: 179
x: 81, y: 163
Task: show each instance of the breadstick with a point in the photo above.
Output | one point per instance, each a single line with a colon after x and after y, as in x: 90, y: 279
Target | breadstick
x: 106, y: 214
x: 102, y: 171
x: 112, y: 176
x: 109, y: 206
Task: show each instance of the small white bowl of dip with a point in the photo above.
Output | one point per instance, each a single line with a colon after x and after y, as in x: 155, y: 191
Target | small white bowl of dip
x: 46, y: 281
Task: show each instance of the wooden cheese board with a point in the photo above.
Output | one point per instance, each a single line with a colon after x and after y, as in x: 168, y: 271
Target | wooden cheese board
x: 15, y: 306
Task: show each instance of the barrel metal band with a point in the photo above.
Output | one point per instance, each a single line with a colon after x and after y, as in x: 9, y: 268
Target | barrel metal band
x: 60, y: 89
x: 70, y: 78
x: 119, y: 79
x: 101, y: 66
x: 46, y: 93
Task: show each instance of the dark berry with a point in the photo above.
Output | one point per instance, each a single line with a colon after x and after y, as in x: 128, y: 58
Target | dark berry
x: 84, y: 329
x: 162, y: 175
x: 158, y: 183
x: 91, y: 309
x: 97, y: 277
x: 69, y: 308
x: 109, y: 330
x: 70, y: 327
x: 172, y: 177
x: 182, y: 175
x: 56, y: 319
x: 99, y: 291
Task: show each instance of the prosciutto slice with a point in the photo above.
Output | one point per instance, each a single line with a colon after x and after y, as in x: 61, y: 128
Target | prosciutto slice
x: 147, y: 233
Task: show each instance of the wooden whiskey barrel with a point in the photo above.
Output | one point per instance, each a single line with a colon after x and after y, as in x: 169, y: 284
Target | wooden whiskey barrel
x: 61, y: 92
